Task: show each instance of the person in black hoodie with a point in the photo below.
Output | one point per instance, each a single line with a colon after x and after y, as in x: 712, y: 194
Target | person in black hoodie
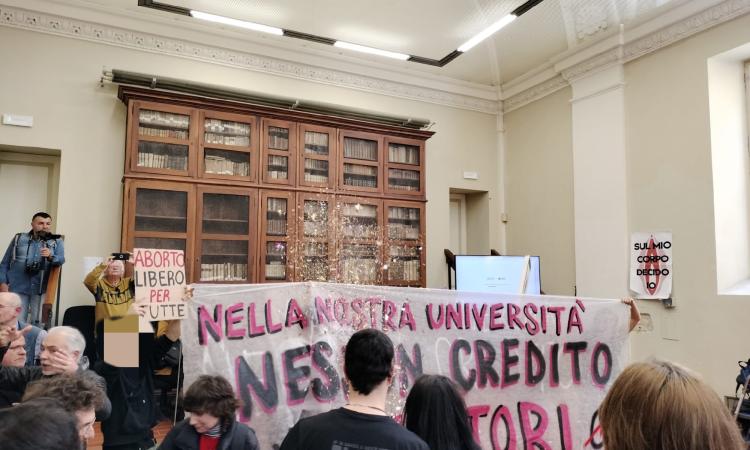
x: 212, y: 424
x: 131, y: 390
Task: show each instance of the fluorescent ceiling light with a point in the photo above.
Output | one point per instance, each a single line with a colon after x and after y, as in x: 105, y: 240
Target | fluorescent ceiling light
x: 487, y: 32
x: 374, y: 51
x: 237, y: 23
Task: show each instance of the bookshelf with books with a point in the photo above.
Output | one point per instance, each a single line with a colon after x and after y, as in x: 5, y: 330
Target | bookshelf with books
x: 361, y: 161
x: 228, y: 146
x: 404, y: 243
x: 277, y: 213
x: 199, y: 173
x: 317, y: 156
x: 359, y: 235
x: 161, y: 139
x: 315, y: 237
x: 225, y: 234
x: 158, y: 214
x: 279, y: 151
x: 404, y: 167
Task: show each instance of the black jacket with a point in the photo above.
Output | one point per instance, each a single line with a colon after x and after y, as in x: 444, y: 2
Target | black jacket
x: 184, y: 437
x: 131, y: 391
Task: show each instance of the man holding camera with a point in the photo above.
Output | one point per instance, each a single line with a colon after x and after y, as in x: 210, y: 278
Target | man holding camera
x: 26, y: 265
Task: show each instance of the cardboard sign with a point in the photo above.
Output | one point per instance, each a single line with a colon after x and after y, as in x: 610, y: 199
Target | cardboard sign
x: 651, y: 265
x: 534, y: 368
x: 160, y: 281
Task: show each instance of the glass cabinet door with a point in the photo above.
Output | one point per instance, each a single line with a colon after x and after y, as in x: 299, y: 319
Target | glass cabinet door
x: 225, y: 235
x: 160, y: 136
x: 159, y: 215
x: 404, y: 167
x: 279, y: 140
x: 315, y: 238
x: 361, y: 162
x: 360, y: 234
x: 317, y: 156
x: 404, y: 243
x: 229, y: 147
x: 277, y: 211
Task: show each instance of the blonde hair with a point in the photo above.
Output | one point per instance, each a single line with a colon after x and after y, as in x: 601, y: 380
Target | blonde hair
x: 661, y: 405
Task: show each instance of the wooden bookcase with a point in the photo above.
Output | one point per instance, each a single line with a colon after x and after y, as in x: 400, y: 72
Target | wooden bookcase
x: 259, y: 194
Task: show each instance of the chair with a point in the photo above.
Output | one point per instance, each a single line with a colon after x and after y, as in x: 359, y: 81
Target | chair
x: 83, y: 319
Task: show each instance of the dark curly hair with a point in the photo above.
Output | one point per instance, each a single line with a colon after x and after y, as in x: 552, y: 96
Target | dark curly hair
x: 41, y: 423
x: 74, y: 392
x: 214, y: 395
x: 368, y: 359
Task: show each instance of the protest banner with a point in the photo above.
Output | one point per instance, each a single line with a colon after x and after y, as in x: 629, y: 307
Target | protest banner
x: 651, y: 265
x: 534, y: 368
x: 160, y: 281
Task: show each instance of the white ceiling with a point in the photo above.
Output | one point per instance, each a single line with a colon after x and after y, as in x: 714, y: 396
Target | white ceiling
x: 428, y: 28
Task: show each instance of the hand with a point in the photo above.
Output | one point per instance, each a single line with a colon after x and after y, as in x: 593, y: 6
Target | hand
x: 45, y: 252
x: 188, y: 294
x: 10, y: 334
x: 138, y: 307
x: 4, y: 287
x: 635, y: 315
x: 63, y: 362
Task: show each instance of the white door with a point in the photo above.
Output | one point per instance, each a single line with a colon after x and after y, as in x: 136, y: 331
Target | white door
x: 24, y: 189
x: 457, y: 224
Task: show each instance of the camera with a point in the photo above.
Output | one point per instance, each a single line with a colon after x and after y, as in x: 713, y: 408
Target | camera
x: 120, y: 256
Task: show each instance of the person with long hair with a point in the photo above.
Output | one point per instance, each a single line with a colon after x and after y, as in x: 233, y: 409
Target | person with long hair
x: 436, y: 412
x: 659, y: 404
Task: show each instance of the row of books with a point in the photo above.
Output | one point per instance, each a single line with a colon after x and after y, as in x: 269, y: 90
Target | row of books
x: 278, y: 138
x: 353, y: 169
x: 221, y: 126
x: 316, y: 164
x: 278, y: 167
x: 315, y: 178
x: 403, y: 231
x: 360, y: 231
x: 404, y: 154
x: 359, y: 271
x: 276, y: 271
x: 360, y: 149
x: 353, y: 180
x: 404, y: 270
x: 224, y: 166
x: 163, y: 119
x: 162, y: 161
x: 276, y: 227
x: 316, y: 143
x: 224, y: 272
x: 315, y: 229
x: 163, y: 132
x: 359, y: 210
x: 399, y: 213
x: 241, y: 141
x: 315, y: 249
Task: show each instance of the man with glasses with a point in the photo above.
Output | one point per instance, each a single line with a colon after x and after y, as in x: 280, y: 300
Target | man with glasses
x: 10, y: 310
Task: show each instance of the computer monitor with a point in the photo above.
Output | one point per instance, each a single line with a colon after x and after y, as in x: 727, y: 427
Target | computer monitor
x: 499, y: 274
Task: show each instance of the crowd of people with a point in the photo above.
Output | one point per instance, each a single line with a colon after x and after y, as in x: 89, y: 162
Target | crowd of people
x: 50, y: 397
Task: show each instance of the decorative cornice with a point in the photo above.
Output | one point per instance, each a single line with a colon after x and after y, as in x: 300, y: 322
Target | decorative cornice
x: 675, y: 32
x: 702, y: 21
x: 535, y: 93
x: 109, y: 35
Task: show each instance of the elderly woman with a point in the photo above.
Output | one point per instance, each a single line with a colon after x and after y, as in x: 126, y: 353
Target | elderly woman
x: 113, y: 291
x: 212, y: 425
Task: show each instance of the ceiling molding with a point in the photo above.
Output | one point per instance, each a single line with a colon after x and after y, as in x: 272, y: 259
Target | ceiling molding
x: 566, y: 72
x: 120, y: 37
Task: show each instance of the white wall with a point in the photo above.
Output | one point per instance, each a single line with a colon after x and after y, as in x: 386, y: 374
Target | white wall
x: 539, y: 192
x: 56, y: 80
x: 669, y: 187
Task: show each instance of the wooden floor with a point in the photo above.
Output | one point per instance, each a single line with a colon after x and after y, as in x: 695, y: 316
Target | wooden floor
x: 160, y: 430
